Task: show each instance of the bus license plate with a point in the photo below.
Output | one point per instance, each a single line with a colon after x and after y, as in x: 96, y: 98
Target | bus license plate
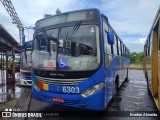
x: 60, y: 100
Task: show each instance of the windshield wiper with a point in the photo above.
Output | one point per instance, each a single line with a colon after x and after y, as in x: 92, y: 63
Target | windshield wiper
x: 46, y: 41
x: 74, y: 30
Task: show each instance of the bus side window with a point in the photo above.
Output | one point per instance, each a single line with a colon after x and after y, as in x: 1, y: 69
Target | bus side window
x: 112, y: 49
x: 107, y: 47
x: 148, y: 50
x: 125, y: 52
x: 121, y: 49
x: 105, y: 29
x: 150, y: 37
x: 42, y: 44
x: 117, y: 45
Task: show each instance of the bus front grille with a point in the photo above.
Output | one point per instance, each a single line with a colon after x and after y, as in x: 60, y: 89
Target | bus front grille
x: 61, y: 82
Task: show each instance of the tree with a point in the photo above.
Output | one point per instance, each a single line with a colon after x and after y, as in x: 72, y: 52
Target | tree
x: 136, y: 57
x: 58, y: 11
x: 141, y: 55
x: 47, y: 15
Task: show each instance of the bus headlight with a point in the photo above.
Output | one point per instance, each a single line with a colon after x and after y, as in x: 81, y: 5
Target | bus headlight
x: 93, y: 89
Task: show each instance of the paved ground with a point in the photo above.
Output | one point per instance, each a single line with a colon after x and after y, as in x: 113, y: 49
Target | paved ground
x: 9, y: 93
x: 132, y: 97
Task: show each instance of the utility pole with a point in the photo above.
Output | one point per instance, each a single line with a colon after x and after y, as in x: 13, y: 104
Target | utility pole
x: 13, y: 14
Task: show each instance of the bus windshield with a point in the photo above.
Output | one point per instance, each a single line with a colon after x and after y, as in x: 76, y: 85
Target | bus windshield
x: 73, y: 48
x: 26, y: 60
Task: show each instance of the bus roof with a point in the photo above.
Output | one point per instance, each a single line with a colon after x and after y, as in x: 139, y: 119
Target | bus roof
x: 80, y: 11
x: 49, y: 17
x: 68, y: 12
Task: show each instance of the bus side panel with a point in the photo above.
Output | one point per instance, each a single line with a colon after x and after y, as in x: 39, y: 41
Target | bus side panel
x: 120, y: 71
x: 159, y: 80
x: 124, y: 71
x: 110, y: 72
x: 155, y: 63
x: 118, y: 67
x: 124, y: 66
x: 159, y: 65
x: 148, y: 69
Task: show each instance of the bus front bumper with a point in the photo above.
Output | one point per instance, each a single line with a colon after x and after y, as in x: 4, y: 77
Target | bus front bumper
x: 93, y: 102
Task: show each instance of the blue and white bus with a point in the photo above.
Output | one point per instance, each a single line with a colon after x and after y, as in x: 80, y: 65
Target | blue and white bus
x: 25, y: 64
x: 78, y: 60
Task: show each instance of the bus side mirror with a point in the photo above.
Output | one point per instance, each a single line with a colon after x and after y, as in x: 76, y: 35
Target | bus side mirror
x: 110, y: 38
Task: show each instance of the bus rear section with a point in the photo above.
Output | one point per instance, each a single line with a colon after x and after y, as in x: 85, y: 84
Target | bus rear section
x: 68, y: 61
x: 25, y: 64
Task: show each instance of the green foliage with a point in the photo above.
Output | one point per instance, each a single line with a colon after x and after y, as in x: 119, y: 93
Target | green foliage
x: 17, y: 59
x: 58, y: 11
x: 47, y: 15
x: 136, y: 57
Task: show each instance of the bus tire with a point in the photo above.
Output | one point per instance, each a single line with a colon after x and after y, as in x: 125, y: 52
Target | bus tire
x: 116, y: 86
x: 147, y: 81
x: 115, y: 89
x: 149, y: 92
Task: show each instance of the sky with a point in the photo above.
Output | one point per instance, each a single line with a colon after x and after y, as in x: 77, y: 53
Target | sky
x: 131, y: 19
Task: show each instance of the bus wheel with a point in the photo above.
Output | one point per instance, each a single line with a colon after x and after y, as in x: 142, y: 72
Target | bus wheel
x: 147, y: 81
x: 115, y: 87
x: 149, y: 92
